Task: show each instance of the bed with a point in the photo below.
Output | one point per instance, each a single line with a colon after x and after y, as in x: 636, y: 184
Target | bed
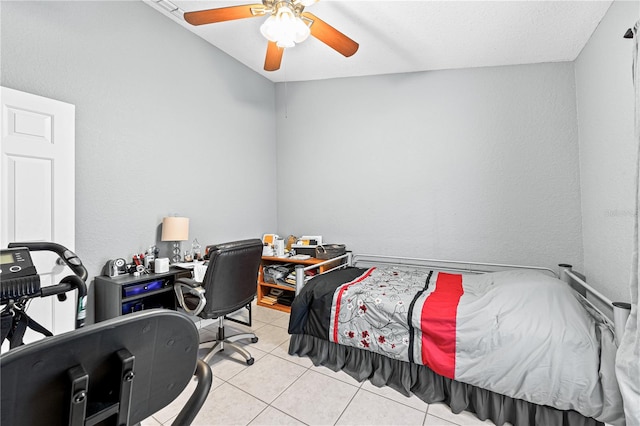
x: 514, y: 346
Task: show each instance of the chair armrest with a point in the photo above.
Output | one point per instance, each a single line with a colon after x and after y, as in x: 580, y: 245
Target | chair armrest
x: 198, y: 397
x: 186, y: 285
x: 188, y: 282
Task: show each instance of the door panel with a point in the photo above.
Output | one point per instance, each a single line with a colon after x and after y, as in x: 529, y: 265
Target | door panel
x: 23, y: 123
x: 38, y: 191
x: 29, y: 179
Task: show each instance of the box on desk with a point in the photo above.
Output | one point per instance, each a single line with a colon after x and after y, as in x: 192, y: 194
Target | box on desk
x: 308, y: 250
x: 307, y: 245
x: 324, y: 252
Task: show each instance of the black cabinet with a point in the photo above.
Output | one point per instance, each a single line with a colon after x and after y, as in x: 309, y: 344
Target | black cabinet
x: 125, y: 294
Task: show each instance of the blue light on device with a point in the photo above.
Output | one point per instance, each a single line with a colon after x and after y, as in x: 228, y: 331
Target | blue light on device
x: 134, y: 290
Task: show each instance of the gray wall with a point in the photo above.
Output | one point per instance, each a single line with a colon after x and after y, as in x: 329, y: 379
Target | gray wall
x: 608, y: 157
x: 475, y: 164
x: 165, y: 123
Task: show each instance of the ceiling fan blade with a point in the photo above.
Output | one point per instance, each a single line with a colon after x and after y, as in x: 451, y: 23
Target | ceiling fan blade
x: 330, y: 36
x: 211, y: 16
x: 274, y: 57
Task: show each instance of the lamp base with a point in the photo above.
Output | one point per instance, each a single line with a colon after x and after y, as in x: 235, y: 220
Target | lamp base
x: 176, y: 252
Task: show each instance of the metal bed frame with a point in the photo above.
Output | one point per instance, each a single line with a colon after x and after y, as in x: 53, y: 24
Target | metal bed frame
x: 619, y: 310
x: 617, y: 318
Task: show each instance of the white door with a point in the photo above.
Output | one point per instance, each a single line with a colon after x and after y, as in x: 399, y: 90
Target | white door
x: 37, y: 179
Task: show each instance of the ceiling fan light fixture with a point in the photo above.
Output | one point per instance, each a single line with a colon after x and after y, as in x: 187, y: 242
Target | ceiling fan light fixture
x: 284, y: 27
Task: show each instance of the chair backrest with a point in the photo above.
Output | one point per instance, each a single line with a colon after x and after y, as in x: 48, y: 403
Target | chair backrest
x: 230, y: 282
x: 129, y: 367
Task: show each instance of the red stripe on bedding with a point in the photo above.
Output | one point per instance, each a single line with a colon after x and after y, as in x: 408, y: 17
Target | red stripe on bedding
x: 438, y: 325
x: 343, y: 287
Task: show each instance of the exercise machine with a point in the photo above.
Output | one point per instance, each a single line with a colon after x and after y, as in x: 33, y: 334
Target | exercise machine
x: 20, y: 282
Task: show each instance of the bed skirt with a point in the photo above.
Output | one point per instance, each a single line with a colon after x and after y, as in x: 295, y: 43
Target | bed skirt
x: 421, y: 381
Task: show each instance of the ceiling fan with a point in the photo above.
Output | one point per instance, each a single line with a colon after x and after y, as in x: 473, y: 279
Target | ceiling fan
x: 287, y: 25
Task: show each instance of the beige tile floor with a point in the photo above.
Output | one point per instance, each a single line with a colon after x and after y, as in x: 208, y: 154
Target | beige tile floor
x: 280, y: 389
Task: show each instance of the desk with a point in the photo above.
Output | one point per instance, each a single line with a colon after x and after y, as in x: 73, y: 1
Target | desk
x: 125, y: 293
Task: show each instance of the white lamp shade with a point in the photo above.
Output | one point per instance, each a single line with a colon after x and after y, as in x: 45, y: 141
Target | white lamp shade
x: 175, y: 228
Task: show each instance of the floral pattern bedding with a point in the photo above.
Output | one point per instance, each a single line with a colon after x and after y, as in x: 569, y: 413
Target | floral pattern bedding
x: 371, y: 311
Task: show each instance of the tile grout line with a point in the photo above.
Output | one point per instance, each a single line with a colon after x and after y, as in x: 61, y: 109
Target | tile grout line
x: 265, y: 402
x: 257, y: 361
x: 307, y: 369
x: 289, y: 415
x: 438, y: 417
x: 291, y: 384
x: 347, y: 406
x: 398, y: 402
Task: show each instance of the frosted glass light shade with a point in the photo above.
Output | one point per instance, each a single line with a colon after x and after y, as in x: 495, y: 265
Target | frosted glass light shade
x: 269, y: 28
x: 284, y: 28
x: 302, y: 30
x: 175, y: 228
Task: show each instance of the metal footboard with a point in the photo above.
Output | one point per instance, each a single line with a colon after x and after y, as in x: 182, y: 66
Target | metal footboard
x: 343, y: 261
x: 619, y: 311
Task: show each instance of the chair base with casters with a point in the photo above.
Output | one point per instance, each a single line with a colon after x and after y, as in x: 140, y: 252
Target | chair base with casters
x: 120, y: 371
x: 222, y: 342
x: 229, y: 284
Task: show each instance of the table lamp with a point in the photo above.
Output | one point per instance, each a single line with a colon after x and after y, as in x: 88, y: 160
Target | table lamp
x: 175, y: 229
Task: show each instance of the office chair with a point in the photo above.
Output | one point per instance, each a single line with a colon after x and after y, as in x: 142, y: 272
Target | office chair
x: 116, y: 372
x: 229, y: 284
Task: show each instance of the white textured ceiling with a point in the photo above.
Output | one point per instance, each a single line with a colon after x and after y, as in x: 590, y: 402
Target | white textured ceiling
x: 409, y: 36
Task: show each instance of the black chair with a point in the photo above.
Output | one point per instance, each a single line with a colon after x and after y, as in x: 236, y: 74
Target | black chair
x: 229, y: 284
x: 119, y: 371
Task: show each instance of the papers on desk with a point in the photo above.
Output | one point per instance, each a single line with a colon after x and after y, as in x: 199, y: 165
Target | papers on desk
x: 188, y: 265
x: 198, y: 272
x: 301, y: 257
x: 185, y: 265
x: 198, y: 268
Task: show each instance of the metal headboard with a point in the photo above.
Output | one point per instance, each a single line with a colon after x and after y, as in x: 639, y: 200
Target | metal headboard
x: 350, y: 259
x: 445, y: 265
